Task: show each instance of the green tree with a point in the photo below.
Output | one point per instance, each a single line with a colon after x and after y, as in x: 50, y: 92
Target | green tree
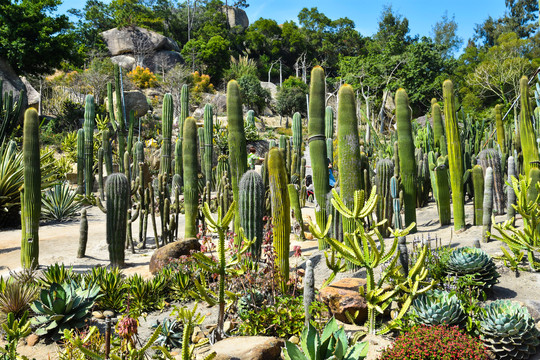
x: 254, y: 96
x: 211, y: 57
x: 445, y: 34
x: 291, y: 97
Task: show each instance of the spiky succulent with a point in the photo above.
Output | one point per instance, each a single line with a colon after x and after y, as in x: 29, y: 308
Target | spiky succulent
x: 437, y: 307
x: 469, y: 260
x: 170, y: 335
x: 508, y: 330
x: 250, y: 301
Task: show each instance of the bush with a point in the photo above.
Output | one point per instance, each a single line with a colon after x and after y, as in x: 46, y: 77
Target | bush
x: 143, y: 77
x: 254, y: 96
x: 291, y: 97
x: 435, y: 342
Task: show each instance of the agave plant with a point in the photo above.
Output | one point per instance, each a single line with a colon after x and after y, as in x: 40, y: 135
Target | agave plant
x: 61, y: 307
x: 60, y: 203
x: 437, y: 307
x: 15, y: 298
x: 170, y: 335
x: 112, y: 285
x: 508, y: 330
x: 469, y: 260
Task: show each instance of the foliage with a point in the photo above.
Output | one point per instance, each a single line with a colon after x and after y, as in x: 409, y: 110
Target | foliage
x: 170, y: 335
x: 142, y: 77
x: 15, y: 298
x: 60, y: 203
x: 291, y: 97
x: 113, y: 288
x: 145, y: 295
x: 435, y: 342
x: 475, y: 262
x: 200, y: 83
x: 332, y: 344
x: 251, y: 132
x: 15, y: 329
x: 58, y: 274
x: 90, y: 339
x: 210, y: 55
x: 437, y: 307
x: 254, y: 96
x: 240, y: 67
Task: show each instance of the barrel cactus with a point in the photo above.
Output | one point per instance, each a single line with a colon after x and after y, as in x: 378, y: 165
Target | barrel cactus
x: 469, y: 260
x: 437, y: 307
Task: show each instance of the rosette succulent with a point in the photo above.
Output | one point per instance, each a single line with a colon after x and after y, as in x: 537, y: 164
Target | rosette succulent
x: 469, y: 260
x: 508, y: 330
x: 437, y: 307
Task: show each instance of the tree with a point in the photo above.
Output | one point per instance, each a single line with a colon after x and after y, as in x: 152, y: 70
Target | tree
x: 254, y: 96
x: 445, y: 34
x: 291, y: 97
x: 32, y: 40
x: 211, y: 57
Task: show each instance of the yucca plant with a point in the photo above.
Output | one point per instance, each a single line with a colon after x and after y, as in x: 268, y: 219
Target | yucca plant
x: 60, y: 203
x: 437, y: 307
x: 112, y: 288
x: 15, y: 298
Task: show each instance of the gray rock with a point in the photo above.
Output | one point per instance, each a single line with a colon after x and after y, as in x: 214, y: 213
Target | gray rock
x: 12, y: 82
x: 218, y: 101
x: 125, y: 61
x: 162, y: 60
x: 135, y: 100
x: 236, y: 17
x: 270, y: 87
x: 249, y: 348
x: 136, y: 40
x: 31, y: 93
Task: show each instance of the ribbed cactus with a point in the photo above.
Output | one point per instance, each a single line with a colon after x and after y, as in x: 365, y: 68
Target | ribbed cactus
x: 297, y: 210
x: 251, y: 210
x: 488, y: 204
x: 117, y: 194
x: 297, y: 138
x: 281, y: 218
x: 407, y: 164
x: 396, y: 204
x: 501, y: 138
x: 80, y: 161
x: 329, y: 131
x: 31, y: 192
x: 443, y: 192
x: 528, y: 139
x: 119, y: 115
x: 491, y: 158
x: 385, y: 170
x: 107, y: 151
x: 208, y: 144
x: 100, y: 174
x: 511, y: 195
x: 184, y: 109
x: 191, y: 186
x: 454, y: 155
x: 317, y: 144
x: 88, y: 126
x: 438, y: 126
x: 478, y: 182
x: 166, y: 131
x: 309, y: 291
x: 250, y: 117
x: 237, y: 144
x: 200, y: 136
x: 534, y: 176
x: 83, y: 235
x: 423, y: 182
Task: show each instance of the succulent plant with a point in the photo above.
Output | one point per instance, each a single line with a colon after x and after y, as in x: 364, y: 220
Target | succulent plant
x: 469, y: 260
x: 508, y: 330
x: 249, y: 301
x: 62, y: 307
x: 170, y: 335
x: 437, y: 307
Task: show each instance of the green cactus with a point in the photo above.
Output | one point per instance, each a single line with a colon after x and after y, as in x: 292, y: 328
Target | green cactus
x: 100, y: 174
x: 281, y: 218
x: 488, y: 204
x: 454, y: 155
x: 166, y: 130
x: 478, y: 182
x: 297, y: 209
x: 83, y: 235
x: 31, y: 192
x: 251, y: 210
x: 250, y: 117
x: 88, y: 126
x: 200, y: 136
x: 526, y: 131
x: 491, y: 158
x: 80, y: 161
x: 117, y: 194
x: 406, y: 156
x: 237, y: 145
x: 385, y: 170
x: 511, y: 195
x: 443, y: 193
x: 119, y: 115
x: 184, y: 109
x: 329, y: 132
x: 317, y: 145
x: 208, y: 144
x: 438, y: 126
x: 191, y: 188
x: 501, y: 138
x: 107, y: 151
x: 297, y: 138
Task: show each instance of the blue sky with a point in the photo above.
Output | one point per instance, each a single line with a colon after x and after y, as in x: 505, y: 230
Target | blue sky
x: 422, y: 14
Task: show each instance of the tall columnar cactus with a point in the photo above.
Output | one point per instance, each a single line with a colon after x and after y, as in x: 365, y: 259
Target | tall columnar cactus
x: 250, y: 117
x: 191, y: 184
x: 329, y: 131
x: 281, y: 218
x: 166, y: 130
x: 438, y: 126
x: 119, y: 115
x: 80, y: 161
x: 107, y: 151
x: 443, y: 193
x: 385, y: 171
x: 31, y: 192
x: 406, y: 156
x: 297, y: 138
x: 200, y: 136
x: 396, y: 204
x: 117, y: 194
x: 511, y: 195
x: 100, y: 174
x: 297, y: 209
x: 454, y: 155
x: 282, y: 142
x: 237, y: 144
x: 83, y: 235
x: 184, y: 109
x: 251, y: 210
x: 309, y: 291
x: 488, y: 204
x: 88, y: 126
x: 491, y: 158
x: 528, y: 139
x: 208, y: 144
x: 501, y: 138
x: 317, y: 145
x: 178, y: 157
x: 478, y: 182
x: 534, y: 176
x: 349, y: 166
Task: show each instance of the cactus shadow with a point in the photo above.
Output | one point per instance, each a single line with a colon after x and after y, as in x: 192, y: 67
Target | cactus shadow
x: 499, y: 292
x: 7, y: 250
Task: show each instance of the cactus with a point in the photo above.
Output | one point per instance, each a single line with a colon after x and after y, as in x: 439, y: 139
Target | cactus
x: 526, y: 131
x: 438, y: 126
x: 250, y: 117
x: 251, y: 210
x: 31, y: 192
x: 131, y: 123
x: 329, y: 131
x: 297, y: 139
x: 100, y: 174
x: 88, y: 126
x: 117, y: 193
x: 394, y: 191
x: 280, y: 213
x: 191, y: 188
x: 511, y: 195
x: 501, y: 139
x: 491, y: 158
x: 80, y: 161
x: 403, y: 254
x: 309, y: 291
x: 488, y: 204
x: 423, y: 182
x: 317, y: 145
x: 385, y: 169
x: 166, y: 130
x: 406, y: 156
x: 237, y: 145
x: 534, y: 176
x: 107, y: 151
x: 119, y: 115
x: 478, y: 182
x: 454, y: 155
x: 208, y: 144
x: 443, y: 192
x: 200, y: 136
x: 83, y: 235
x: 297, y: 210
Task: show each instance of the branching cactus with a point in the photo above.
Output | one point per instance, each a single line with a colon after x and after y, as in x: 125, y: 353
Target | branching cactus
x: 166, y: 130
x: 454, y: 155
x: 208, y: 145
x: 252, y: 209
x: 526, y: 132
x: 31, y: 192
x: 191, y: 184
x: 88, y: 126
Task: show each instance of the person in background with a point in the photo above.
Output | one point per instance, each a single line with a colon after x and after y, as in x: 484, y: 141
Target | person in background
x: 252, y: 157
x: 332, y: 179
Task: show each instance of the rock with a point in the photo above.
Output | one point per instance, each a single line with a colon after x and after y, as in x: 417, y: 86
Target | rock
x: 32, y: 340
x: 31, y: 94
x: 376, y: 344
x: 270, y: 87
x: 12, y: 82
x: 236, y: 16
x: 342, y: 296
x: 136, y: 40
x: 162, y: 60
x: 198, y: 113
x: 197, y: 335
x: 109, y: 313
x: 308, y: 235
x: 135, y: 100
x: 294, y: 339
x: 218, y: 102
x: 98, y: 315
x: 174, y: 250
x: 249, y: 348
x: 227, y: 326
x: 125, y: 61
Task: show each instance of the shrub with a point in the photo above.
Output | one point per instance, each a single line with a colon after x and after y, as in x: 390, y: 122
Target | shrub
x: 143, y: 77
x: 436, y: 342
x: 291, y: 97
x: 254, y: 96
x: 60, y: 203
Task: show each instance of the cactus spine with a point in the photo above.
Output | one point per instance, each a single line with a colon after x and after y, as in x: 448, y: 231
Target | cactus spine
x: 80, y: 161
x: 281, y: 218
x: 501, y: 139
x: 208, y: 145
x: 251, y: 210
x: 31, y: 193
x: 237, y: 144
x: 406, y: 156
x: 317, y: 145
x: 488, y: 204
x: 166, y: 129
x: 117, y: 193
x: 88, y: 126
x: 454, y: 155
x: 478, y: 183
x: 329, y: 132
x: 438, y: 126
x: 191, y: 186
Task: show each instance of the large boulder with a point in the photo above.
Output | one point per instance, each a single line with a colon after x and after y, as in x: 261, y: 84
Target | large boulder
x: 270, y: 87
x: 236, y: 17
x: 31, y: 93
x: 218, y: 102
x: 162, y: 60
x: 343, y: 296
x: 12, y: 82
x: 136, y: 40
x: 175, y: 250
x: 126, y: 61
x: 249, y: 348
x: 134, y: 100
